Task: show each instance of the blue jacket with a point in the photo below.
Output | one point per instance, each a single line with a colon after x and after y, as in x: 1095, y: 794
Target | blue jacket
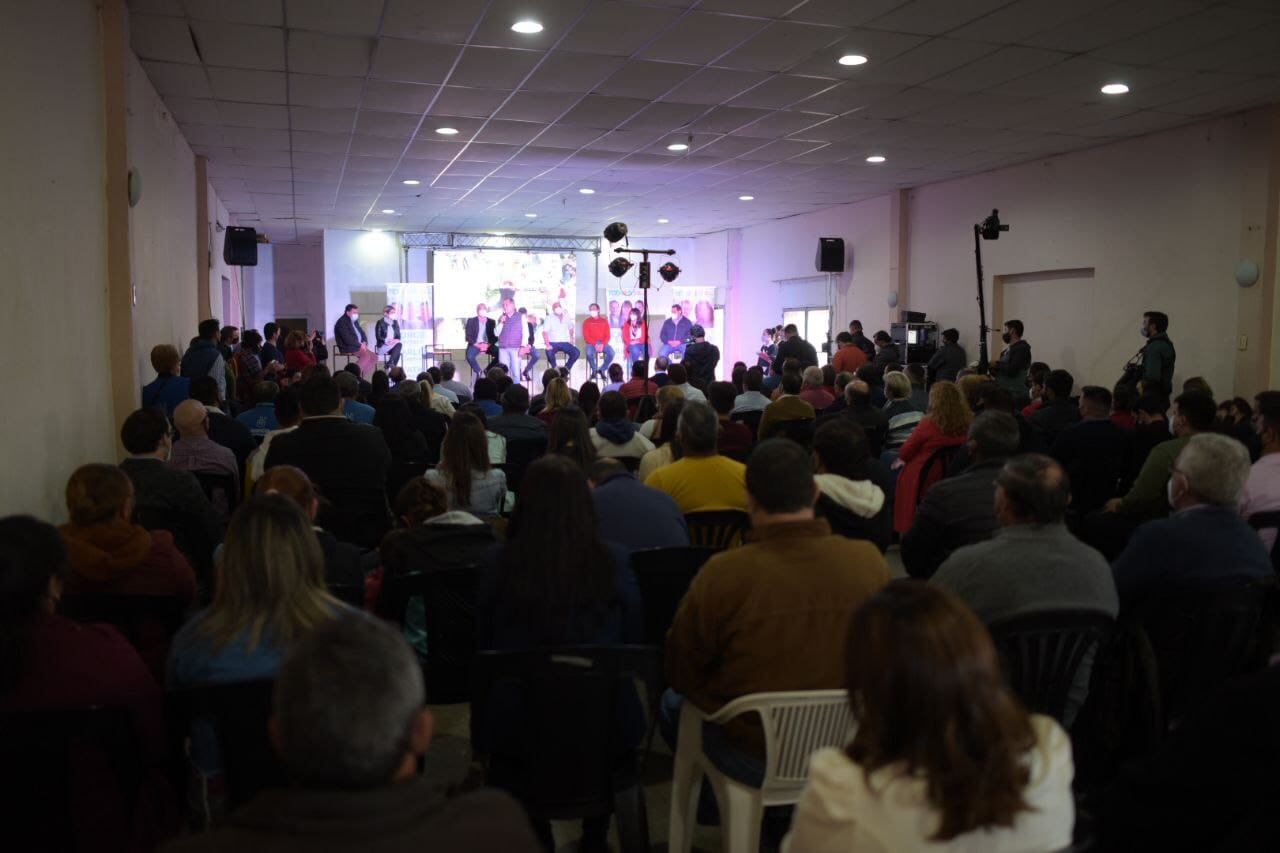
x: 636, y: 516
x: 166, y: 392
x: 260, y: 420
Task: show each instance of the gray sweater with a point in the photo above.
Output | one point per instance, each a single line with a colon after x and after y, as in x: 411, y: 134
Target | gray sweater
x: 1029, y: 569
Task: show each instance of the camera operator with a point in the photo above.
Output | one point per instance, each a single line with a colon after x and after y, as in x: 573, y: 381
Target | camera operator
x: 1010, y: 370
x: 1154, y: 362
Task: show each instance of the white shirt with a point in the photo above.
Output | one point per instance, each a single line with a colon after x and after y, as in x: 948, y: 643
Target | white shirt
x: 842, y: 810
x: 692, y: 393
x: 557, y: 330
x: 751, y: 401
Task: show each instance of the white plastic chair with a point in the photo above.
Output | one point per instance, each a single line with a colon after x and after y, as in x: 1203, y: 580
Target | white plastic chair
x: 796, y: 724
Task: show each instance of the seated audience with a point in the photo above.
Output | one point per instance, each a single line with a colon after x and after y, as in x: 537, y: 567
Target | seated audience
x: 1262, y: 490
x: 448, y: 370
x: 787, y: 406
x: 900, y: 410
x: 297, y: 351
x: 1122, y: 401
x: 1235, y: 418
x: 261, y: 419
x: 145, y: 435
x: 751, y: 399
x: 753, y: 621
x: 701, y: 479
x: 736, y: 439
x: 1204, y: 541
x: 638, y: 385
x: 667, y: 449
x: 352, y: 409
x: 631, y: 514
x: 589, y: 400
x: 861, y: 409
x: 270, y: 591
x: 1191, y: 415
x: 465, y: 472
x: 347, y: 461
x: 1058, y: 412
x: 355, y: 674
x: 485, y: 395
x: 790, y: 366
x: 556, y: 396
x: 660, y: 366
x: 615, y: 378
x: 168, y: 389
x: 197, y: 453
x: 940, y: 760
x: 341, y: 560
x: 570, y: 436
x: 223, y: 429
x: 812, y: 390
x: 287, y: 415
x: 1032, y: 564
x: 679, y: 377
x: 1093, y: 452
x: 515, y: 423
x: 495, y: 444
x: 248, y: 367
x: 107, y: 553
x: 1037, y: 376
x: 960, y: 510
x: 946, y: 425
x: 428, y: 417
x: 874, y: 377
x: 406, y: 443
x: 1150, y: 428
x: 652, y: 427
x: 615, y: 435
x: 848, y: 357
x: 919, y: 390
x: 852, y: 504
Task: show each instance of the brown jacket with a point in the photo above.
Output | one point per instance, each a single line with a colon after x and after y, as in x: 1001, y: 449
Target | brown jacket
x: 120, y: 558
x: 787, y: 407
x: 770, y: 616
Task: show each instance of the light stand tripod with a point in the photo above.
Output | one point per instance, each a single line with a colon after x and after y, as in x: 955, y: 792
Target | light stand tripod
x: 645, y: 271
x: 987, y: 229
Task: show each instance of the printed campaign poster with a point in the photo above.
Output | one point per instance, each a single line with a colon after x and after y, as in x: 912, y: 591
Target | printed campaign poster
x: 534, y: 280
x: 413, y: 302
x: 697, y: 302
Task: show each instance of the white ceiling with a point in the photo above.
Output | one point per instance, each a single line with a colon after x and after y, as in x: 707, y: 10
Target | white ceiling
x: 312, y: 112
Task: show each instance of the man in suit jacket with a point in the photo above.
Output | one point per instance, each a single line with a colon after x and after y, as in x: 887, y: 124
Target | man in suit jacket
x: 156, y: 486
x: 387, y: 333
x: 349, y: 337
x: 795, y: 347
x: 481, y: 338
x: 348, y: 461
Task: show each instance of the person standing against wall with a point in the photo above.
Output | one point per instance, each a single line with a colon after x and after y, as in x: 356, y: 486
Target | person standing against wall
x: 1010, y: 370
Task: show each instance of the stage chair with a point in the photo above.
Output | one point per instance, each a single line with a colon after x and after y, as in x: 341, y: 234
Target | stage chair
x: 717, y: 529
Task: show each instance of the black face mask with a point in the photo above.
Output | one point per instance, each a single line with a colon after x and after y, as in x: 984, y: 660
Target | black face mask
x: 1006, y: 337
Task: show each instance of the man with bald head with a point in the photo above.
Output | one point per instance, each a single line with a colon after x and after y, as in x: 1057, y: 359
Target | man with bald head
x: 196, y: 452
x: 1032, y: 564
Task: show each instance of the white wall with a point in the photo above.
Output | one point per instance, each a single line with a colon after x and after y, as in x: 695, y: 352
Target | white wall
x: 218, y: 215
x: 299, y: 283
x: 162, y: 226
x: 356, y: 262
x: 53, y: 252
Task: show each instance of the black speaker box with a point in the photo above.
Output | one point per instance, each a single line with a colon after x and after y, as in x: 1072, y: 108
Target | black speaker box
x: 830, y: 254
x: 240, y: 247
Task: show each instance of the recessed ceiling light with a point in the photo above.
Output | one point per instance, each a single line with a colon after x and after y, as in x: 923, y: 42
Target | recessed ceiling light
x: 410, y: 182
x: 531, y: 216
x: 876, y: 158
x: 746, y: 198
x: 586, y: 191
x: 527, y: 27
x: 678, y: 146
x: 663, y: 221
x: 447, y: 131
x: 1115, y: 89
x: 852, y: 59
x: 388, y: 210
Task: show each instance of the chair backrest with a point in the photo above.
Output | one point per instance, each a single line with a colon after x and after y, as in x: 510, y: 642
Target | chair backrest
x: 664, y: 575
x: 521, y: 453
x: 189, y: 537
x: 577, y: 719
x: 48, y: 757
x: 238, y: 714
x: 935, y: 468
x: 796, y: 724
x: 1269, y: 521
x: 1041, y: 653
x: 799, y: 430
x: 148, y: 622
x: 717, y: 529
x: 212, y: 484
x: 401, y: 473
x: 750, y: 418
x: 449, y: 607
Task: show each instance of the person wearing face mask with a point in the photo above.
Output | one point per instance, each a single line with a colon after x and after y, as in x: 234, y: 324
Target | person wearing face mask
x: 557, y: 334
x: 480, y: 339
x: 1204, y: 542
x: 351, y: 340
x: 595, y: 336
x: 1010, y: 370
x: 675, y: 332
x: 387, y: 333
x: 1154, y: 362
x: 633, y: 337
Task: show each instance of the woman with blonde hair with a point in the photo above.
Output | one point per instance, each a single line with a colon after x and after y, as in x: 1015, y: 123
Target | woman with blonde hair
x: 555, y: 396
x: 944, y: 757
x: 946, y: 424
x: 341, y: 560
x: 652, y: 428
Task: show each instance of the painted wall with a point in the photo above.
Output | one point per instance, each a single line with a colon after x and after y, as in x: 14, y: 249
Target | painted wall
x: 53, y: 252
x: 299, y: 282
x: 356, y: 262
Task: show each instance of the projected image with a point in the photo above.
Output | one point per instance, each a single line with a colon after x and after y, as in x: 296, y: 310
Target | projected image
x: 534, y: 280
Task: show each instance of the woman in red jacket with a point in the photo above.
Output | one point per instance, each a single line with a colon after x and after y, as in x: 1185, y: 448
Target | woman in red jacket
x: 945, y: 425
x: 297, y: 354
x: 633, y: 337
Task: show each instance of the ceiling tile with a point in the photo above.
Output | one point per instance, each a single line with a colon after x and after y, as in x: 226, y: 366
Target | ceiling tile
x: 879, y: 47
x: 931, y: 59
x: 398, y: 97
x: 194, y: 111
x: 649, y: 80
x: 240, y: 45
x: 715, y: 86
x: 602, y: 112
x: 349, y: 17
x: 1016, y: 21
x: 781, y: 46
x: 493, y: 67
x: 463, y: 101
x: 843, y: 13
x: 1125, y: 19
x: 254, y: 115
x: 323, y: 143
x: 934, y: 17
x: 163, y: 39
x: 237, y: 84
x: 267, y: 13
x: 311, y: 90
x: 448, y: 23
x: 186, y: 81
x: 509, y: 132
x: 726, y: 119
x: 537, y: 106
x: 1182, y: 37
x: 395, y: 125
x: 781, y: 123
x: 376, y: 146
x: 617, y: 28
x: 495, y: 28
x: 666, y: 115
x: 563, y: 71
x: 701, y: 37
x: 562, y: 136
x: 333, y: 56
x: 782, y: 91
x: 326, y: 119
x: 412, y: 62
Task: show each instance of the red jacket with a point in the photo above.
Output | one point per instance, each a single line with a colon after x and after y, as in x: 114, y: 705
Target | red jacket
x: 633, y: 333
x: 925, y: 439
x: 595, y: 331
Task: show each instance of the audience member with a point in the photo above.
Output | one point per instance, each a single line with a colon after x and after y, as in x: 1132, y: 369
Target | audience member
x: 667, y: 449
x: 228, y: 341
x: 638, y: 385
x: 736, y: 439
x: 614, y: 435
x: 944, y: 756
x: 1058, y: 412
x: 631, y: 514
x: 701, y: 479
x: 203, y: 358
x: 1262, y: 490
x: 919, y: 387
x: 426, y: 416
x: 871, y: 375
x: 197, y: 453
x: 1205, y: 541
x: 1235, y: 418
x: 960, y: 510
x: 589, y: 400
x: 1122, y: 401
x: 347, y: 461
x: 946, y: 425
x: 270, y: 353
x: 660, y: 366
x: 753, y: 622
x: 146, y: 436
x: 570, y: 436
x: 288, y: 415
x: 652, y: 427
x: 405, y: 441
x: 352, y: 409
x: 261, y: 419
x: 297, y: 351
x: 556, y: 396
x: 515, y: 423
x: 168, y: 389
x: 853, y: 504
x: 812, y: 390
x: 1094, y: 452
x: 615, y: 379
x: 787, y: 406
x: 223, y: 429
x: 1151, y: 428
x: 1010, y: 369
x: 341, y: 560
x: 900, y: 410
x: 790, y: 367
x: 860, y: 410
x: 485, y: 395
x: 794, y: 346
x: 949, y: 359
x: 751, y: 399
x: 680, y: 379
x: 355, y: 674
x: 1158, y: 355
x: 465, y: 472
x: 861, y: 341
x: 1198, y: 384
x: 1191, y: 415
x: 700, y: 357
x: 886, y: 352
x: 1032, y: 564
x: 848, y: 357
x: 448, y: 381
x: 739, y: 377
x: 248, y: 367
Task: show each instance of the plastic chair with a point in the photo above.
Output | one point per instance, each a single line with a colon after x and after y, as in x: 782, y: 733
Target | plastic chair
x: 575, y: 754
x: 449, y: 604
x: 212, y: 483
x: 717, y: 529
x: 1041, y: 653
x: 1269, y: 521
x: 664, y: 575
x: 750, y: 418
x: 795, y: 725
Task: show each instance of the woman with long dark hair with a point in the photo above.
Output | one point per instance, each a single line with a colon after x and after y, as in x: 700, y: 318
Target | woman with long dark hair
x: 406, y: 442
x: 464, y: 470
x: 945, y: 758
x: 569, y: 436
x: 589, y: 399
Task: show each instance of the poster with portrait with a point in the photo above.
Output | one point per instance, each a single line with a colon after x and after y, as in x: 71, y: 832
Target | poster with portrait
x: 696, y: 301
x: 466, y: 278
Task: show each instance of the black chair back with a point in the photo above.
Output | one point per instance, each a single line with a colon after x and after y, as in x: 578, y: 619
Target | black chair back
x: 238, y: 714
x: 938, y: 463
x: 401, y: 473
x: 750, y: 418
x: 631, y: 463
x: 138, y: 617
x: 47, y: 757
x: 799, y: 430
x: 1041, y: 653
x: 189, y: 537
x: 664, y: 575
x: 215, y: 484
x: 575, y: 751
x: 350, y: 594
x: 520, y: 455
x: 717, y: 529
x: 449, y: 607
x: 1269, y: 521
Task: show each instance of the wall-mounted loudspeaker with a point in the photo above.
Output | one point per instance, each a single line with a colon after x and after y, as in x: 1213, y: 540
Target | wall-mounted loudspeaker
x: 830, y: 254
x: 240, y: 247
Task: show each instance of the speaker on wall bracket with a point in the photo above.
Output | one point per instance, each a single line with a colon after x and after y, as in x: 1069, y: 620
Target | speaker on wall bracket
x: 240, y: 246
x: 830, y: 254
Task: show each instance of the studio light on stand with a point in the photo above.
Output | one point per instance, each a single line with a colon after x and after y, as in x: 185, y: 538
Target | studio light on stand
x: 987, y: 229
x: 617, y: 231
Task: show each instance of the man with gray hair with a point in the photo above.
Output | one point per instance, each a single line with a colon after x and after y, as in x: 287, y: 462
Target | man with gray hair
x: 701, y: 479
x: 350, y: 727
x: 1032, y: 564
x: 1205, y: 541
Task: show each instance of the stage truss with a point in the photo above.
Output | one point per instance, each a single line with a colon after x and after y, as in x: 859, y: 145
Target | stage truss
x: 513, y: 242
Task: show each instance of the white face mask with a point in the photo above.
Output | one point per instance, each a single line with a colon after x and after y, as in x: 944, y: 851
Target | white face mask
x: 1173, y: 430
x: 594, y: 313
x: 355, y: 318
